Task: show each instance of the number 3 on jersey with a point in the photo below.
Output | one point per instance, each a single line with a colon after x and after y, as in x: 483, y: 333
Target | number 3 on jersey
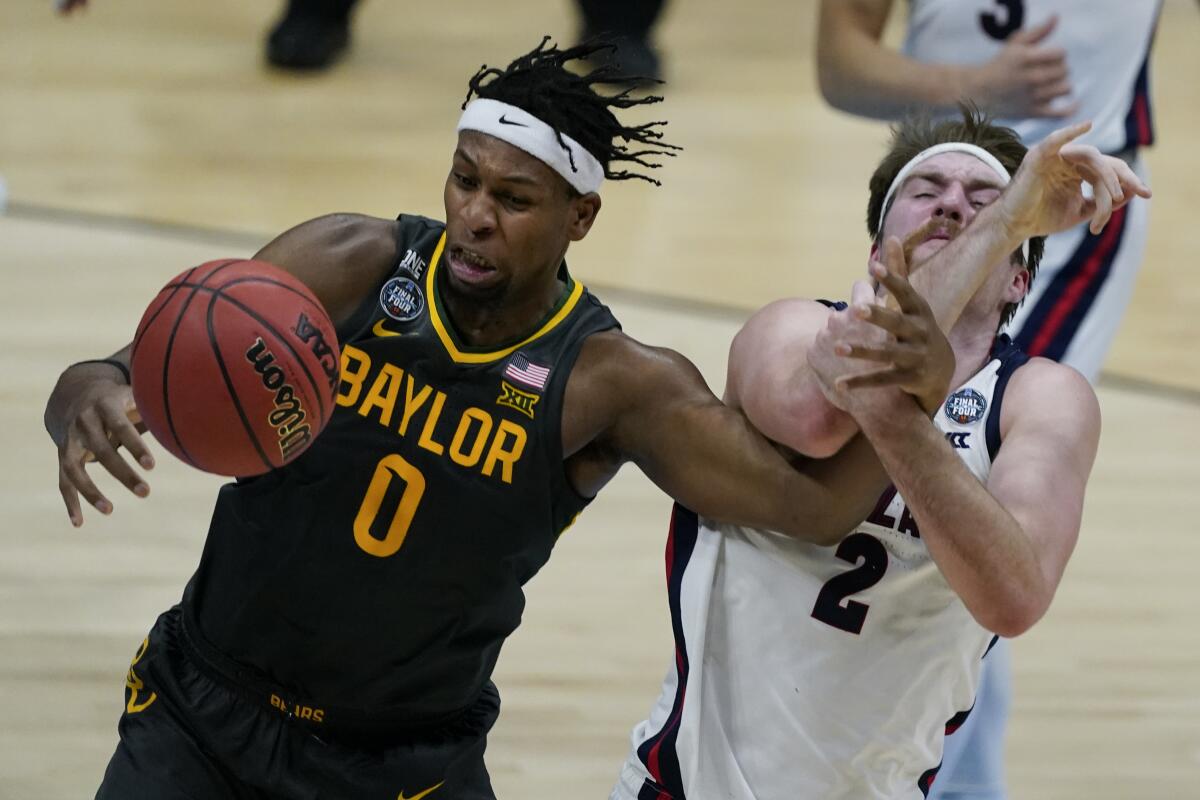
x: 851, y: 616
x: 388, y: 469
x: 1002, y: 25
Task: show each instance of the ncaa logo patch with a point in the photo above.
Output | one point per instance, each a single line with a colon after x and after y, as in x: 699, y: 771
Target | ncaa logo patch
x: 965, y: 406
x: 401, y: 299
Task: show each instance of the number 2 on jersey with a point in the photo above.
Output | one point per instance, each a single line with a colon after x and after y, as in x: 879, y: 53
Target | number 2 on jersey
x: 851, y: 616
x: 389, y: 468
x: 1001, y: 26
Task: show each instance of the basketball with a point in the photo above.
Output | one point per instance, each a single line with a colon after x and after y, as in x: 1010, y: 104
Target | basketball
x: 234, y: 366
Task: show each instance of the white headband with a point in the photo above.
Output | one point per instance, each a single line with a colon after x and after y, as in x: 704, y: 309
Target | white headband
x: 938, y: 149
x: 525, y: 131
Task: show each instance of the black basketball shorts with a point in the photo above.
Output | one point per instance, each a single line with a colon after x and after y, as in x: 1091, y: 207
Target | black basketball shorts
x: 185, y: 734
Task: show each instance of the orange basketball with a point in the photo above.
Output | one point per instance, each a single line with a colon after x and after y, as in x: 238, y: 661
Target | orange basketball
x: 235, y: 366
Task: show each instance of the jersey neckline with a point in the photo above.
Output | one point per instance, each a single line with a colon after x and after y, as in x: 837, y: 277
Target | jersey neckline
x: 465, y: 354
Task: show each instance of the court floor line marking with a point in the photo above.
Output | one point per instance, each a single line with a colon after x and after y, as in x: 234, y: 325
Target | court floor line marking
x: 724, y: 312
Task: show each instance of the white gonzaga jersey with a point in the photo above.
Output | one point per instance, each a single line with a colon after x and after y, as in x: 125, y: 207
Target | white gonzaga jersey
x: 817, y: 672
x: 1108, y: 53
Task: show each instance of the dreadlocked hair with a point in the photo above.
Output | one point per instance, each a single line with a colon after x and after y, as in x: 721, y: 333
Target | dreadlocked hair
x: 539, y: 83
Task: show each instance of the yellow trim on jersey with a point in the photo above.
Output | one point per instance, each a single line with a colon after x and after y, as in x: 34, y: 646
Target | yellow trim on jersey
x: 443, y: 333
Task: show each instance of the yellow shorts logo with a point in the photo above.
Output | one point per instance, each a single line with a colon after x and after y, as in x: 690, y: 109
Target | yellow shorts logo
x: 515, y: 398
x: 136, y: 685
x: 297, y: 710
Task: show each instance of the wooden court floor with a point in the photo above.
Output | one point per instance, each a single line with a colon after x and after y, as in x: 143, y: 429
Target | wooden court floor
x: 143, y: 138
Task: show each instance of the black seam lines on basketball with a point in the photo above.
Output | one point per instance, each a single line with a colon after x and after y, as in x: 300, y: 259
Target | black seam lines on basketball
x: 183, y: 279
x: 313, y: 385
x: 166, y: 374
x: 175, y: 287
x: 212, y: 342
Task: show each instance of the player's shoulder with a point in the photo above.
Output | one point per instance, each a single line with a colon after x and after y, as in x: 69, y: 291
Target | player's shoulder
x: 613, y: 352
x: 340, y: 257
x: 1042, y: 390
x: 1039, y: 376
x: 357, y: 234
x: 782, y: 325
x: 790, y: 309
x: 616, y: 366
x: 789, y: 316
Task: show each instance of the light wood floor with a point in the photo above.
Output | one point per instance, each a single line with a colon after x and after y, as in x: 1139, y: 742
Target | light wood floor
x: 161, y: 112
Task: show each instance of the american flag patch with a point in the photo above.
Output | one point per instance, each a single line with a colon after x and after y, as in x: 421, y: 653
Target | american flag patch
x: 522, y: 369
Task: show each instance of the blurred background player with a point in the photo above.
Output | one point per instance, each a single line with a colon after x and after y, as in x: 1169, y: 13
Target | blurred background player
x: 1034, y: 64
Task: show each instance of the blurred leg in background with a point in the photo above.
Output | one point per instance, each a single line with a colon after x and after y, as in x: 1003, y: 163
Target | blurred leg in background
x: 628, y: 24
x: 311, y: 34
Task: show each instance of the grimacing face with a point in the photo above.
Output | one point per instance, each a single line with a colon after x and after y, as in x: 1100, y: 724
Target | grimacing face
x: 935, y: 203
x: 509, y: 220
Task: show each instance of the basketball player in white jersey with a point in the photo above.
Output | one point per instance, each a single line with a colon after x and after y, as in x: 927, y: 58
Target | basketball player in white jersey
x: 814, y: 672
x: 1035, y: 64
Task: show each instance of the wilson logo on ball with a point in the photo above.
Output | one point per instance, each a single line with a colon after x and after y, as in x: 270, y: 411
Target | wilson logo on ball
x: 312, y: 335
x: 287, y: 417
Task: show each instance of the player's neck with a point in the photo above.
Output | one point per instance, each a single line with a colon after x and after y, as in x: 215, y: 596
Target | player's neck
x: 972, y: 345
x: 498, y: 321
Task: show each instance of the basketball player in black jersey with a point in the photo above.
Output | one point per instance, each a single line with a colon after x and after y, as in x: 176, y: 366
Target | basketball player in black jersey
x: 338, y: 637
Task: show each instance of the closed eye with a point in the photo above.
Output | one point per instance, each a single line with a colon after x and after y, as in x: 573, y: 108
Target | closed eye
x: 515, y: 202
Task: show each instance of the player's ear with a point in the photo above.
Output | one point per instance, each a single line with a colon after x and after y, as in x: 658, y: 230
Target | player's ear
x: 582, y: 215
x: 1017, y: 287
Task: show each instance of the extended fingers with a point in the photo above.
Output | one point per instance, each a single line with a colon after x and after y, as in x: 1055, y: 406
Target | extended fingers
x: 894, y: 322
x: 897, y: 283
x: 1059, y: 138
x: 122, y: 430
x: 894, y: 258
x: 71, y: 462
x: 70, y: 496
x: 889, y: 376
x: 1097, y: 168
x: 1104, y: 207
x: 1048, y: 91
x: 898, y: 355
x: 1131, y: 184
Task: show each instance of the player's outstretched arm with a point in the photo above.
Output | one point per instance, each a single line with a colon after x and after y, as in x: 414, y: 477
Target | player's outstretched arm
x: 1044, y: 197
x: 857, y: 73
x: 628, y: 402
x: 1002, y: 547
x: 91, y: 412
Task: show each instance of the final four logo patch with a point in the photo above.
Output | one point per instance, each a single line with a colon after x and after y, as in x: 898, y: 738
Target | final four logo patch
x: 401, y: 299
x: 966, y: 406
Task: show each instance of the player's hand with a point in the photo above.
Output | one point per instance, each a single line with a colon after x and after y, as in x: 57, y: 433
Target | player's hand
x: 915, y: 355
x: 1047, y: 196
x: 1025, y: 79
x: 90, y: 415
